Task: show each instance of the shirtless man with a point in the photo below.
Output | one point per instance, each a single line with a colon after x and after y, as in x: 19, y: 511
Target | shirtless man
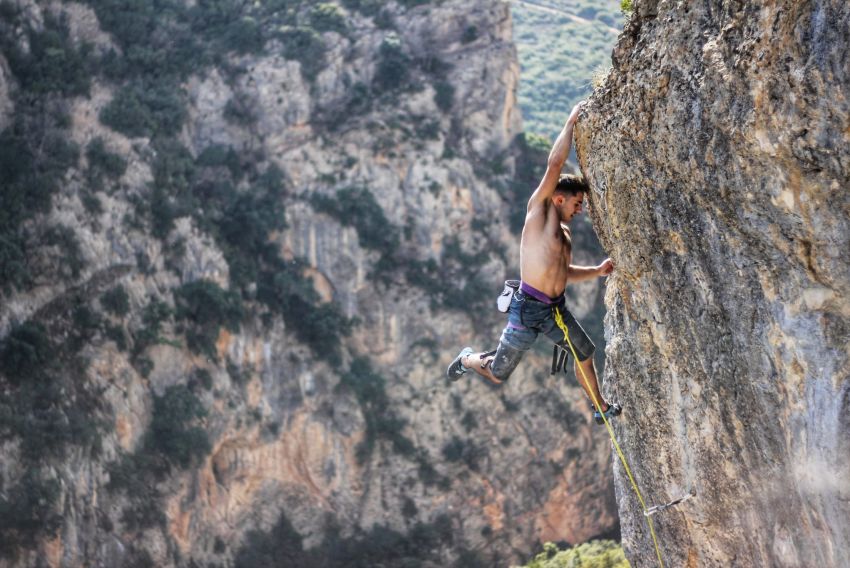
x: 538, y: 306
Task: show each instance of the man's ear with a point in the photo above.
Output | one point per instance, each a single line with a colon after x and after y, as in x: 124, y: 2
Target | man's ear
x: 557, y: 200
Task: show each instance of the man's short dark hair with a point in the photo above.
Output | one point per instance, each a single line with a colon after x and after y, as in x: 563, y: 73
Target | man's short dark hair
x: 571, y: 184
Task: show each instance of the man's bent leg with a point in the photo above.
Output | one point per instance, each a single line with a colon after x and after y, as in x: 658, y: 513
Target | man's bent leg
x: 497, y: 366
x: 480, y: 363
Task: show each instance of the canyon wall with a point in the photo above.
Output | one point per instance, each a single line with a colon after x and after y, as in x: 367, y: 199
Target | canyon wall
x: 246, y: 241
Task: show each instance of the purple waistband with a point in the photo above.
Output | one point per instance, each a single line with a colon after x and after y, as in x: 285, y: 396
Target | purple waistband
x: 538, y: 295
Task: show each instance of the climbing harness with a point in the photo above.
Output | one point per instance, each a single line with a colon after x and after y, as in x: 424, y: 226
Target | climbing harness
x: 560, y: 321
x: 673, y: 503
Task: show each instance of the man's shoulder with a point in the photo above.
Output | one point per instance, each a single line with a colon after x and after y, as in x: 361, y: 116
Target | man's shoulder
x: 538, y: 206
x: 535, y: 220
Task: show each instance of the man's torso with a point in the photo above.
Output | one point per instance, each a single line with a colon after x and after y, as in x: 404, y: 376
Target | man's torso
x: 545, y: 250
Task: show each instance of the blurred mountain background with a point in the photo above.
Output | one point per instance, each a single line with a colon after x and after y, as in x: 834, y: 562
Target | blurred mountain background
x: 240, y: 244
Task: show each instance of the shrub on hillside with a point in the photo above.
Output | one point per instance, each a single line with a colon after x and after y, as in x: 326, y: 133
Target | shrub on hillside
x: 287, y: 292
x: 357, y: 207
x: 369, y: 387
x: 28, y: 513
x: 65, y: 240
x: 26, y: 352
x: 172, y: 431
x: 225, y: 26
x: 146, y: 108
x: 444, y: 94
x: 305, y: 46
x: 206, y: 307
x: 52, y: 64
x: 594, y: 554
x: 153, y: 316
x: 104, y: 162
x: 35, y: 152
x: 368, y: 8
x: 380, y: 546
x: 393, y: 71
x: 116, y: 301
x: 326, y: 17
x: 219, y: 155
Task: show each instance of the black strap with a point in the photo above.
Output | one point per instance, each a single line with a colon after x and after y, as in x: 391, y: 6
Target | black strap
x: 559, y: 359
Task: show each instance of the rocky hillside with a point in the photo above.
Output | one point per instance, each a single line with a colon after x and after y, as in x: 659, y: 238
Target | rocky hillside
x: 718, y: 151
x: 564, y: 49
x: 240, y: 242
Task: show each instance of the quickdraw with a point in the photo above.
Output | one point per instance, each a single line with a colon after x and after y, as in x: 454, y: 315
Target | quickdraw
x: 673, y: 503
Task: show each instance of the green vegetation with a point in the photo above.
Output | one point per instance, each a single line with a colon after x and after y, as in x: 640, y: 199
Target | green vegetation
x: 173, y: 434
x: 204, y: 308
x: 305, y: 46
x: 52, y: 65
x: 103, y: 161
x: 103, y: 166
x: 219, y: 155
x: 458, y: 450
x: 153, y: 316
x: 381, y: 421
x: 48, y: 407
x: 174, y: 440
x: 393, y: 71
x: 286, y: 292
x: 173, y: 177
x: 381, y: 546
x: 594, y: 554
x: 561, y: 45
x: 241, y: 222
x: 28, y: 511
x: 238, y: 112
x: 326, y: 17
x: 146, y: 108
x: 36, y: 150
x: 372, y: 8
x: 357, y: 207
x: 68, y: 247
x: 444, y: 94
x: 34, y: 155
x: 26, y: 353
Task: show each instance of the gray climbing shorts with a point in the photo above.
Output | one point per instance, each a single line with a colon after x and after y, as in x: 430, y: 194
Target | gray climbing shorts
x: 528, y: 318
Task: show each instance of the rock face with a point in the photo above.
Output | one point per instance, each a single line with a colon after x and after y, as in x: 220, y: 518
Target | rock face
x: 718, y: 151
x: 292, y: 441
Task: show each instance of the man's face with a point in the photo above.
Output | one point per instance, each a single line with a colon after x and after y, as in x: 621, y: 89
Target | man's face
x: 571, y: 207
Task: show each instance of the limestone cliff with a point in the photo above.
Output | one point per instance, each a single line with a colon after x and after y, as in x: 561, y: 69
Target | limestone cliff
x: 242, y: 242
x: 718, y: 152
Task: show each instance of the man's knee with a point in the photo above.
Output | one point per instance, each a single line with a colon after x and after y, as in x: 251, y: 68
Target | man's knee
x: 505, y: 361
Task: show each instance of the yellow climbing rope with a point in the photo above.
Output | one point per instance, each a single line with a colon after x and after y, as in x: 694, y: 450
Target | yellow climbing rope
x: 560, y: 321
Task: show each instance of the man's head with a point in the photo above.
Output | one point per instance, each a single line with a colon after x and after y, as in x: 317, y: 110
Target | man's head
x: 569, y: 196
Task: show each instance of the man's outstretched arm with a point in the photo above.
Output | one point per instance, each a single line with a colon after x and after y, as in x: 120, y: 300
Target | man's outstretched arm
x: 581, y: 273
x: 557, y: 158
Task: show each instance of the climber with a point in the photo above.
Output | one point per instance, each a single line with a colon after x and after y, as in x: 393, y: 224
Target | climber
x: 538, y: 306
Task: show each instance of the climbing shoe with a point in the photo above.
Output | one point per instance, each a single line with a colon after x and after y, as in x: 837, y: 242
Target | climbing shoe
x: 613, y: 410
x: 456, y: 370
